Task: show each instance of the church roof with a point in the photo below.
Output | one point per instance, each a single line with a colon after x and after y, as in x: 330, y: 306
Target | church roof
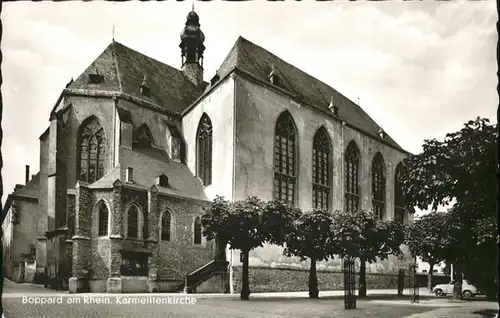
x: 181, y: 181
x: 258, y: 62
x: 123, y: 70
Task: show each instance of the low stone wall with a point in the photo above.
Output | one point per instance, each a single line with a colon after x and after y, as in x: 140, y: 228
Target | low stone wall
x: 167, y: 286
x: 98, y: 285
x: 132, y: 284
x: 268, y: 279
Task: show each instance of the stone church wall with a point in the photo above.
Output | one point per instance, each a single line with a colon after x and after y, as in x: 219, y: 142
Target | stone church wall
x: 82, y: 108
x: 180, y: 256
x: 156, y: 122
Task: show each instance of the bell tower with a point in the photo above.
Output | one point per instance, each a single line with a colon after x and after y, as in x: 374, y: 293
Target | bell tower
x: 192, y: 48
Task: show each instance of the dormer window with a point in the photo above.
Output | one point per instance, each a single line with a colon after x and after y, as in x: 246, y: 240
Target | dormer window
x: 129, y: 175
x: 162, y: 181
x: 273, y: 76
x: 381, y: 133
x: 144, y: 88
x: 333, y: 108
x: 95, y: 77
x: 214, y: 79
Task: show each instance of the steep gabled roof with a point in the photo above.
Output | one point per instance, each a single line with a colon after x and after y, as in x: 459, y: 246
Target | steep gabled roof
x: 257, y: 61
x: 124, y: 70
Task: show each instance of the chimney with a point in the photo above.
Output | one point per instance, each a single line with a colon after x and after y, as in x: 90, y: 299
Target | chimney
x: 27, y: 176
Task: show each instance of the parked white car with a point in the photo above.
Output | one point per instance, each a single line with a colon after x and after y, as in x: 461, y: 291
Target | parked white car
x: 468, y: 290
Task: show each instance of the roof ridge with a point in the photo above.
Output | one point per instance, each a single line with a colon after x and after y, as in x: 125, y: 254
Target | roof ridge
x: 147, y: 56
x: 117, y: 67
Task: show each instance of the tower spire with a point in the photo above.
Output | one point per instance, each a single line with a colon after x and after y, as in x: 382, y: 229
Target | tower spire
x: 192, y: 48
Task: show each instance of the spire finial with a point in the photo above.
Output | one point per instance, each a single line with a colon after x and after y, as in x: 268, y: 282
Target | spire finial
x: 113, y: 33
x: 192, y: 6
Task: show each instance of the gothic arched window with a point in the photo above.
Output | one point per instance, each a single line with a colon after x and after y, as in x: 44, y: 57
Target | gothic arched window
x: 103, y: 219
x: 285, y: 175
x: 320, y: 169
x: 144, y: 138
x: 204, y: 146
x: 351, y: 175
x: 378, y: 186
x: 133, y: 222
x: 197, y: 230
x: 166, y: 221
x: 92, y: 151
x: 399, y: 201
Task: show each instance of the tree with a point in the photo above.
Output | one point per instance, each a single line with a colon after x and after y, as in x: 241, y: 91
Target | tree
x: 461, y: 168
x: 248, y: 224
x: 278, y: 221
x: 311, y: 238
x: 237, y: 224
x: 427, y: 238
x: 362, y: 235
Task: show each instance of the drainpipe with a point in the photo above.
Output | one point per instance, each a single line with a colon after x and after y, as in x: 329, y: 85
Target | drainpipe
x: 342, y: 170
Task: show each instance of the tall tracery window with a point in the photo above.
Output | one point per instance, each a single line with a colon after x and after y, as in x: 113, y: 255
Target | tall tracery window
x: 103, y: 219
x: 144, y: 137
x: 133, y: 222
x: 320, y: 169
x: 204, y: 143
x: 197, y: 230
x: 285, y: 175
x: 166, y: 221
x: 378, y: 185
x: 92, y: 151
x: 351, y: 166
x: 399, y: 201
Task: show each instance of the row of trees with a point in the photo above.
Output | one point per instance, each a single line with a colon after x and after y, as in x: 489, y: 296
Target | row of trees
x: 316, y: 235
x: 460, y: 170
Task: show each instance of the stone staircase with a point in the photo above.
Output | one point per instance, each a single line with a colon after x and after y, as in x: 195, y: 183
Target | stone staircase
x: 210, y: 278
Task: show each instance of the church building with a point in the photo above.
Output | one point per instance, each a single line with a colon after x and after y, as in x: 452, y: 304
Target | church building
x: 136, y: 148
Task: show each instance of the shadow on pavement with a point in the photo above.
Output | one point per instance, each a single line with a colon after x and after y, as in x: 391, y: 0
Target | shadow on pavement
x: 489, y: 313
x: 323, y: 298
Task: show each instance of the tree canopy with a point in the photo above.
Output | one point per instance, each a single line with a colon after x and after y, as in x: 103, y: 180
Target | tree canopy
x: 461, y: 169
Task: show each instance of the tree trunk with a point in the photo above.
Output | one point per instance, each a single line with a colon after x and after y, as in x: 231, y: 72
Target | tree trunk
x: 313, y: 280
x: 429, y: 276
x: 245, y: 289
x: 362, y: 277
x: 457, y: 288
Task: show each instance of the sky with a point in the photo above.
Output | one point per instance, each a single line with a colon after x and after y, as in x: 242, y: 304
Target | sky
x: 419, y: 69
